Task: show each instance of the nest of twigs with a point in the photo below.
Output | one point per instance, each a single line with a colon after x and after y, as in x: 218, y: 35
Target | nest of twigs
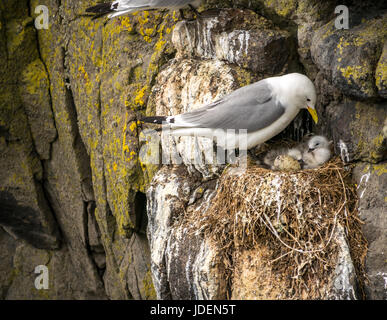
x: 294, y: 214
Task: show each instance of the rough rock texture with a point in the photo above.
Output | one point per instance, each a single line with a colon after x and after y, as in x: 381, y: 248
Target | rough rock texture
x: 348, y: 57
x: 371, y: 182
x: 184, y: 266
x: 380, y: 73
x: 7, y: 251
x: 21, y: 172
x: 73, y: 186
x: 68, y: 157
x: 357, y: 130
x: 239, y: 37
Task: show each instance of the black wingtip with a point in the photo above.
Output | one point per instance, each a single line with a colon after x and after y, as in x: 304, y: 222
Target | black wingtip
x: 155, y: 120
x: 100, y: 9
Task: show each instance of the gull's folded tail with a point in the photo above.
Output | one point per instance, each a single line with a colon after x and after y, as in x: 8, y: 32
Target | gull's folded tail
x: 158, y: 119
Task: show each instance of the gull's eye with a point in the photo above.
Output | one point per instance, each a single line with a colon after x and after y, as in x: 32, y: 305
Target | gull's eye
x: 308, y: 99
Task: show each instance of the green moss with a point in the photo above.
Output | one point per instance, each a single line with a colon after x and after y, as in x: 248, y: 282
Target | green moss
x: 149, y: 290
x: 18, y: 35
x: 369, y: 147
x: 381, y: 75
x: 379, y: 169
x: 381, y: 71
x: 34, y: 77
x: 243, y: 77
x: 328, y: 30
x: 353, y: 73
x: 132, y: 86
x: 283, y: 8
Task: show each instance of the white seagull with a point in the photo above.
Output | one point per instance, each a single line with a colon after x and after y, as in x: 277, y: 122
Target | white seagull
x: 120, y: 7
x: 263, y: 108
x: 319, y: 152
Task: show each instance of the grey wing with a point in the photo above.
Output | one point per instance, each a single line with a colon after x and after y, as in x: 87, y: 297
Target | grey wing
x: 252, y: 107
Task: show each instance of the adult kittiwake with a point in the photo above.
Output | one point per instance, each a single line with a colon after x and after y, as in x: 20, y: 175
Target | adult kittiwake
x: 263, y: 108
x: 120, y: 7
x: 319, y: 152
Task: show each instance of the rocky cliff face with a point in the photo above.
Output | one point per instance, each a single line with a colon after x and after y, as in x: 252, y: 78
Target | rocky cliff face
x: 74, y: 193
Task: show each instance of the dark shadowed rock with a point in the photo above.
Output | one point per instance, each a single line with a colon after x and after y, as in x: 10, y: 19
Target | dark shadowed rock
x: 357, y: 130
x: 349, y: 57
x: 7, y: 251
x: 27, y: 223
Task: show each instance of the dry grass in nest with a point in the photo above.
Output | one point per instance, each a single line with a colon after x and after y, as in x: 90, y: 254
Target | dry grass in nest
x: 295, y: 214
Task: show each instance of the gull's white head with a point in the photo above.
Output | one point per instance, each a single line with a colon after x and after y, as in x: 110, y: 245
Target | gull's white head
x: 298, y: 91
x: 318, y: 142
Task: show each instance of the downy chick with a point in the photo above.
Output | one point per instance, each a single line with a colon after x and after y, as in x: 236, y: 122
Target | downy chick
x: 319, y: 152
x: 272, y: 155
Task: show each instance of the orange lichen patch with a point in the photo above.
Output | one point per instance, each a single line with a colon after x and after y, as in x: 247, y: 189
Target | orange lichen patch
x: 139, y: 99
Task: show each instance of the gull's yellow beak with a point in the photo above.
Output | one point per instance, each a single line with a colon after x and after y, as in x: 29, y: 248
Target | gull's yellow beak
x: 313, y: 113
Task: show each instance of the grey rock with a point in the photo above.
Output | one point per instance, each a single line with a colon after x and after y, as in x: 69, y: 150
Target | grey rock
x: 349, y: 57
x: 166, y: 196
x: 136, y: 265
x: 64, y: 279
x: 184, y: 265
x: 344, y: 283
x: 193, y: 267
x: 371, y: 182
x: 7, y: 251
x: 31, y: 224
x: 357, y: 130
x: 237, y: 36
x: 380, y: 73
x: 35, y: 96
